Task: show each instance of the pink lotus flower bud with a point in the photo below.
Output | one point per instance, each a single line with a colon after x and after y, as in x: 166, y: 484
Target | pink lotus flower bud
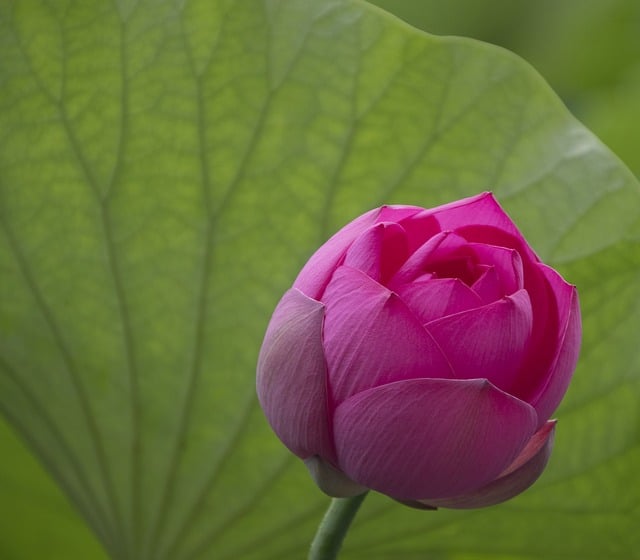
x: 420, y: 353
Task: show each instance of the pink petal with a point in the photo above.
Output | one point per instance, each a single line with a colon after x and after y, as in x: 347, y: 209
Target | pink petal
x: 430, y: 438
x: 435, y: 298
x: 291, y: 376
x: 488, y: 286
x: 379, y: 251
x: 398, y: 212
x: 507, y: 263
x: 420, y: 228
x: 545, y: 340
x: 315, y: 275
x: 437, y: 248
x: 481, y: 219
x: 489, y: 342
x: 522, y: 473
x: 566, y: 340
x: 477, y: 209
x: 371, y: 337
x: 332, y: 481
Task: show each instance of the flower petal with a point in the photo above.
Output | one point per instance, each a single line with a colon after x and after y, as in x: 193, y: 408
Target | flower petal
x: 420, y: 228
x: 291, y: 376
x: 488, y: 342
x: 379, y: 251
x: 507, y: 263
x: 314, y: 276
x: 481, y: 219
x: 332, y: 481
x: 430, y: 438
x: 522, y: 473
x: 488, y: 286
x: 481, y: 208
x: 372, y: 338
x: 435, y: 298
x: 567, y: 343
x: 398, y: 212
x: 436, y: 248
x: 545, y: 334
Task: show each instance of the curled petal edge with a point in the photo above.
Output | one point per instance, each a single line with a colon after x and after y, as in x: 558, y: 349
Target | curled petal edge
x: 430, y: 438
x: 515, y: 479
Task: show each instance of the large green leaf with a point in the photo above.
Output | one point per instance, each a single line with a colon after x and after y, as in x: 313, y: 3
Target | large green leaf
x: 165, y: 169
x: 586, y: 49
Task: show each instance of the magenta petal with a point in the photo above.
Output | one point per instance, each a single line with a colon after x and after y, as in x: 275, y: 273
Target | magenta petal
x: 480, y: 209
x: 420, y: 228
x: 507, y: 263
x: 567, y: 342
x: 291, y: 376
x: 437, y: 248
x: 488, y: 286
x: 371, y: 337
x: 463, y: 211
x: 398, y: 212
x: 315, y: 275
x: 488, y: 342
x: 435, y: 298
x: 522, y: 473
x: 430, y: 438
x: 379, y: 251
x: 481, y: 218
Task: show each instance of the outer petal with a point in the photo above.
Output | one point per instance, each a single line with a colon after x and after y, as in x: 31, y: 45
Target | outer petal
x: 315, y: 275
x: 332, y: 481
x: 430, y: 438
x: 372, y: 338
x: 547, y: 330
x: 489, y: 342
x: 554, y: 385
x: 379, y: 251
x: 521, y: 474
x: 398, y: 212
x: 437, y: 297
x: 481, y: 219
x: 291, y: 376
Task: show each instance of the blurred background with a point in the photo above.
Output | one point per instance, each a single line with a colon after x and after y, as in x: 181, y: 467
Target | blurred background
x: 588, y: 50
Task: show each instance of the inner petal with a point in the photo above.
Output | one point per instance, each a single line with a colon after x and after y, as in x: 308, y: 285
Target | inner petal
x: 488, y: 342
x: 436, y: 249
x: 462, y: 267
x: 438, y: 297
x: 420, y: 228
x: 487, y: 286
x: 379, y: 252
x: 507, y: 263
x: 372, y: 338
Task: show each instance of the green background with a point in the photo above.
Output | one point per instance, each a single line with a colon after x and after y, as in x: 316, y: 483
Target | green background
x: 166, y: 167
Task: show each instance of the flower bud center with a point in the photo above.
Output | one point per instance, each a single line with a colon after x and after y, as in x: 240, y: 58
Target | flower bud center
x: 463, y: 268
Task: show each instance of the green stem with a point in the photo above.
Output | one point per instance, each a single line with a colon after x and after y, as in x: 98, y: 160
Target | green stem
x: 334, y: 526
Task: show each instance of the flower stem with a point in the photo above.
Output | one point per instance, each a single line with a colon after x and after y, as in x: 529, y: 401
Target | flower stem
x: 334, y: 526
